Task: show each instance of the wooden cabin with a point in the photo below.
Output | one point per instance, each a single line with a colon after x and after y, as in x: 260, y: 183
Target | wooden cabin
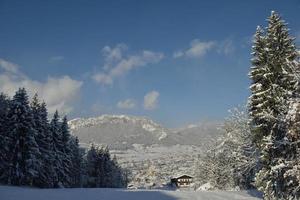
x: 182, y: 181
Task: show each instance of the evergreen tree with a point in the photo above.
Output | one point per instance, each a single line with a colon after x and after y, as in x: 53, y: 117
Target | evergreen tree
x: 107, y: 167
x: 274, y: 83
x: 76, y: 159
x: 66, y: 151
x: 55, y: 128
x: 24, y: 149
x: 34, y: 152
x: 119, y: 176
x: 102, y: 170
x: 43, y: 139
x: 116, y: 175
x: 5, y: 139
x: 91, y: 165
x: 292, y: 174
x: 258, y: 101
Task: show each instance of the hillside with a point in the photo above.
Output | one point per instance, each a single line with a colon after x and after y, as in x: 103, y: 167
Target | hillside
x: 122, y: 132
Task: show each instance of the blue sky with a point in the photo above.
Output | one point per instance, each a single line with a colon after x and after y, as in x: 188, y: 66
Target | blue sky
x: 177, y: 62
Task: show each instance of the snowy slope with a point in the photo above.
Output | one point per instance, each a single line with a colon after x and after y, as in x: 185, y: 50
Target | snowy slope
x: 199, y: 134
x: 118, y: 131
x: 122, y: 132
x: 17, y: 193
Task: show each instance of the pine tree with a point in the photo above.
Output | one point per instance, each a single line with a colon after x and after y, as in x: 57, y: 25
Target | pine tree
x: 107, y: 167
x: 91, y: 165
x: 258, y: 101
x: 103, y: 171
x: 292, y: 162
x: 274, y: 83
x: 24, y: 149
x: 118, y: 176
x: 272, y: 77
x: 43, y: 139
x: 5, y: 139
x: 66, y: 153
x: 76, y: 159
x: 57, y: 150
x: 100, y: 167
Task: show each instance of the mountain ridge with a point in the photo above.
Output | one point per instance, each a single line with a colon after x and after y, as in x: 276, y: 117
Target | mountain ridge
x: 123, y: 131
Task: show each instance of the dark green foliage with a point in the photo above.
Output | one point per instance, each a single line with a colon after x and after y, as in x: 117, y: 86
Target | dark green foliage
x: 43, y: 139
x: 25, y: 154
x: 34, y: 152
x: 66, y: 153
x: 76, y: 160
x: 57, y: 147
x: 274, y: 85
x: 102, y: 171
x: 5, y: 139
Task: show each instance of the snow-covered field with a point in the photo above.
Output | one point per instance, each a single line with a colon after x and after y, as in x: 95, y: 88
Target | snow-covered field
x: 17, y: 193
x: 157, y: 164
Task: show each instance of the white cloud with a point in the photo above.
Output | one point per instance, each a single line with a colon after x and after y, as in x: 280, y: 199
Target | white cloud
x: 199, y: 49
x: 113, y: 55
x: 117, y: 64
x: 151, y: 100
x: 57, y: 58
x: 126, y: 104
x: 178, y: 54
x: 8, y: 66
x: 103, y: 78
x: 226, y: 47
x: 57, y: 92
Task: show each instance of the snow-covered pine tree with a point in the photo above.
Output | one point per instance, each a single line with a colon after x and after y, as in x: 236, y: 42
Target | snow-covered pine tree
x: 5, y: 139
x: 43, y: 139
x: 240, y: 146
x: 24, y: 149
x: 119, y: 175
x: 116, y: 175
x: 102, y: 171
x: 232, y: 160
x: 35, y: 105
x: 107, y: 167
x: 100, y: 180
x: 91, y: 166
x: 76, y: 158
x: 47, y: 147
x: 57, y: 147
x: 292, y: 162
x: 260, y: 88
x: 268, y: 104
x: 66, y: 153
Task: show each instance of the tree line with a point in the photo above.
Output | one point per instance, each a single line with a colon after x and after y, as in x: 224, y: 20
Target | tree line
x: 41, y: 153
x: 261, y: 144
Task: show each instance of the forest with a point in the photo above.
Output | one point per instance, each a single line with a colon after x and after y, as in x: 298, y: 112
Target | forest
x: 36, y: 152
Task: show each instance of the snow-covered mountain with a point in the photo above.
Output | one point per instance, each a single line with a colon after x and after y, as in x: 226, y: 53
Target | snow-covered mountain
x: 122, y: 132
x: 199, y: 134
x: 118, y: 131
x: 141, y: 145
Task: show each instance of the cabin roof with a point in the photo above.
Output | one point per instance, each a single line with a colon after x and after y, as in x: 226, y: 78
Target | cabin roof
x: 181, y: 176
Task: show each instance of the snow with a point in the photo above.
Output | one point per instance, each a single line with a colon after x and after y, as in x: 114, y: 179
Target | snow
x: 205, y: 187
x: 18, y: 193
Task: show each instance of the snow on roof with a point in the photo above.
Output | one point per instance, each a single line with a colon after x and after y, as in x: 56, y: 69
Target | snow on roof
x: 179, y: 176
